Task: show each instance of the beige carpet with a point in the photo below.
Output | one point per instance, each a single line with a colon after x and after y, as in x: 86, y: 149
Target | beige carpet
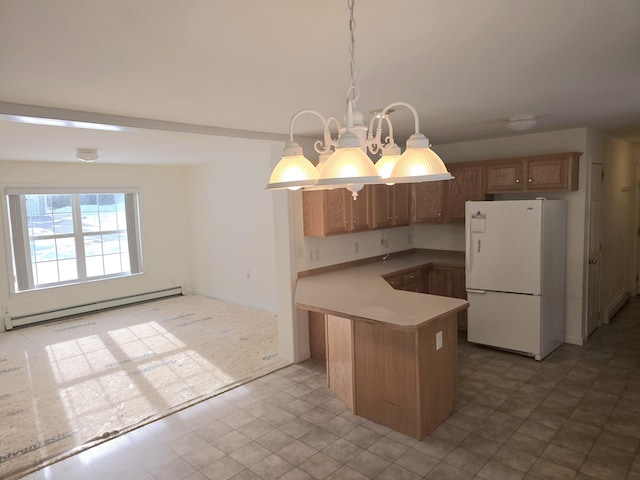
x: 66, y: 385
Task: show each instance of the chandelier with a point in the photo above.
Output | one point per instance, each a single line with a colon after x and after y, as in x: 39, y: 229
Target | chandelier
x: 343, y: 160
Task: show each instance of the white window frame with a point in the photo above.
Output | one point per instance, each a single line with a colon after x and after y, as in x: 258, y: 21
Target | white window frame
x: 21, y: 279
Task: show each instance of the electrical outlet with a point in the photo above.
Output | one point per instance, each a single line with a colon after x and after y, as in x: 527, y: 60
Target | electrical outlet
x: 311, y: 255
x: 439, y: 340
x: 356, y: 247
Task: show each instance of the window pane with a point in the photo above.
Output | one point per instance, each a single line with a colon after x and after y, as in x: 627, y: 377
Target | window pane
x: 111, y: 243
x: 93, y: 245
x: 66, y: 248
x: 94, y: 266
x: 90, y: 213
x: 124, y: 259
x: 124, y: 242
x: 68, y: 270
x: 44, y: 250
x: 63, y: 223
x: 47, y: 272
x: 112, y: 264
x: 39, y: 215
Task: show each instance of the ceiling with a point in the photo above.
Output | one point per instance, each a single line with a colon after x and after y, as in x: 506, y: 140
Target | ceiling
x: 184, y: 73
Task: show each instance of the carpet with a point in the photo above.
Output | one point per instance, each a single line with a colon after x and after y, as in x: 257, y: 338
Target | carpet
x: 67, y: 385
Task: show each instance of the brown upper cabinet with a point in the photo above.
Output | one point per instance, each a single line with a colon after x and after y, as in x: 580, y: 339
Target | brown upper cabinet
x: 542, y: 173
x: 390, y: 205
x: 443, y: 201
x: 332, y: 212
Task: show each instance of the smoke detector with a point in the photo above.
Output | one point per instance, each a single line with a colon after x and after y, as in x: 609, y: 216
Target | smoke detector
x: 87, y: 154
x: 521, y: 121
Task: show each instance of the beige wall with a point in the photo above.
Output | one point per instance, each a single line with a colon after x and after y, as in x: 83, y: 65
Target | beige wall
x: 164, y: 231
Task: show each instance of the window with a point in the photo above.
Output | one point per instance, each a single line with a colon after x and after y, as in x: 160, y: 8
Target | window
x: 61, y: 237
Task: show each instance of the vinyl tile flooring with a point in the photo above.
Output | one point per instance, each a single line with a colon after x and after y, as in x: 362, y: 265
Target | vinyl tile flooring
x: 574, y: 415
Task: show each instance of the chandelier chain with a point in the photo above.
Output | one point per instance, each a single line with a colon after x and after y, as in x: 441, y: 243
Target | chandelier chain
x: 353, y: 91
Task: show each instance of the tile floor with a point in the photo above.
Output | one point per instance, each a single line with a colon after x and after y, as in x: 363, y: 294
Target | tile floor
x: 575, y: 415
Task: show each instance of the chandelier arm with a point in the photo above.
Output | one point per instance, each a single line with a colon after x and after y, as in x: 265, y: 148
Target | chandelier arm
x: 410, y: 107
x: 318, y: 145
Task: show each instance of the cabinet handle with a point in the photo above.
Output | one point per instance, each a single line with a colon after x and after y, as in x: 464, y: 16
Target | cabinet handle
x: 355, y: 222
x: 530, y: 180
x: 439, y: 214
x: 517, y: 180
x: 390, y: 218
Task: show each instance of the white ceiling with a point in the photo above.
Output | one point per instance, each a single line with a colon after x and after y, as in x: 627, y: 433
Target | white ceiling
x: 249, y: 65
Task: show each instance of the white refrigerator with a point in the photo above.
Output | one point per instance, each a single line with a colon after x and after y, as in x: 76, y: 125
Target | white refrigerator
x: 515, y: 274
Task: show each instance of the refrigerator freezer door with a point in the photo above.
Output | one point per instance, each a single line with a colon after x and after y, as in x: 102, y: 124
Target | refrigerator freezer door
x: 505, y: 320
x: 503, y: 251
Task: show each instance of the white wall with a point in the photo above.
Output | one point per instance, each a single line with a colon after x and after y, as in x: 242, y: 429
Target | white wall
x: 232, y: 225
x: 164, y: 231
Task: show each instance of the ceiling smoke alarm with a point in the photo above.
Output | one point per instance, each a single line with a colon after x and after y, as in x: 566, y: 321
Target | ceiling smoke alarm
x: 87, y: 154
x: 523, y: 121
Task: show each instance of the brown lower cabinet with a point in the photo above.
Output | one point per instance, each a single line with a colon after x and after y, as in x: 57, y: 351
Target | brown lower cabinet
x: 447, y: 281
x: 394, y: 376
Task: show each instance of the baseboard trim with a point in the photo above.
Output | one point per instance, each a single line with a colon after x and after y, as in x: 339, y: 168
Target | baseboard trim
x: 617, y: 305
x: 21, y: 321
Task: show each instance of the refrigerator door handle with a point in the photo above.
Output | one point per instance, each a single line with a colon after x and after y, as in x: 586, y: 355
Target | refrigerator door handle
x: 472, y: 290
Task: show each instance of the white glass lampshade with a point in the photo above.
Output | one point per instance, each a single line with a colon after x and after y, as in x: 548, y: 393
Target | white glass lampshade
x: 292, y: 172
x: 419, y: 163
x: 348, y: 164
x: 385, y: 164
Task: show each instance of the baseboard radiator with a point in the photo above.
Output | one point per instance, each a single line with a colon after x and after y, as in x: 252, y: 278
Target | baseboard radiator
x: 21, y: 321
x: 617, y: 305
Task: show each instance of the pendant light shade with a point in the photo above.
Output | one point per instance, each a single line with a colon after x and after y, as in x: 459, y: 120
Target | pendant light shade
x: 348, y: 164
x: 419, y: 163
x: 293, y: 171
x: 385, y: 164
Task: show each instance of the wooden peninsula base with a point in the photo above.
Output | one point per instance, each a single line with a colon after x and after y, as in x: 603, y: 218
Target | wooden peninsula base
x: 401, y: 377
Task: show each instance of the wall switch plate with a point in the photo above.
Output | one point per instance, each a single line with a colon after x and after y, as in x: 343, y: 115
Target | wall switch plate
x: 439, y: 340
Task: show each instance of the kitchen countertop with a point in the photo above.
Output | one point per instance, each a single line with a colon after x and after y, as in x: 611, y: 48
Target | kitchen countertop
x: 361, y: 293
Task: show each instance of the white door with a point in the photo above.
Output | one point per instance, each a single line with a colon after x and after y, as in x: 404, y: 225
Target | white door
x: 503, y: 251
x: 595, y: 230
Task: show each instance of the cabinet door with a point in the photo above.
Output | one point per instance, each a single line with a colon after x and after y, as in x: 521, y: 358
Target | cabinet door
x: 323, y: 213
x: 381, y: 196
x: 401, y: 204
x: 427, y: 202
x: 458, y: 286
x: 359, y: 211
x: 466, y: 185
x: 549, y: 174
x: 504, y: 177
x: 335, y: 213
x: 440, y: 281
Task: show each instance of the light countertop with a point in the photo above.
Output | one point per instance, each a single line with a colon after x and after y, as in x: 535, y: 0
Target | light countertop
x: 361, y: 293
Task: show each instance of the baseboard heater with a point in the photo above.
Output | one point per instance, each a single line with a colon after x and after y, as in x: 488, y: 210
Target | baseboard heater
x: 21, y: 321
x: 617, y: 305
